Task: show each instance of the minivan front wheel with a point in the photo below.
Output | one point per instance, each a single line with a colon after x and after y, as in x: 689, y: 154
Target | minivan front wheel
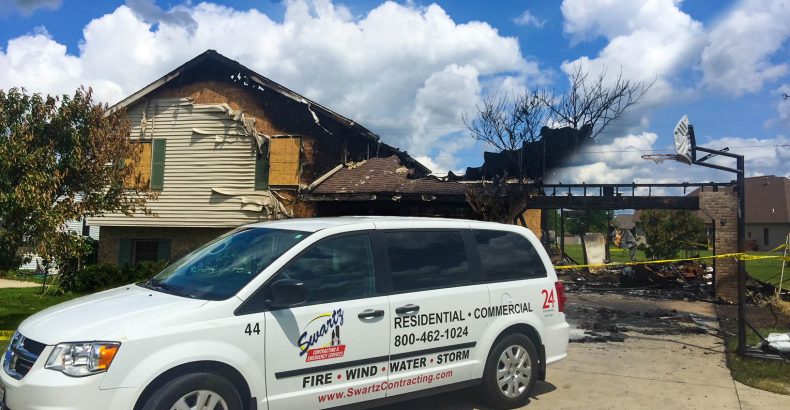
x: 195, y: 391
x: 511, y: 371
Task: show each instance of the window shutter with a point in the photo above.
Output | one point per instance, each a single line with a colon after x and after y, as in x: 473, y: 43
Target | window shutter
x: 124, y: 251
x: 262, y: 169
x: 158, y: 164
x: 163, y: 250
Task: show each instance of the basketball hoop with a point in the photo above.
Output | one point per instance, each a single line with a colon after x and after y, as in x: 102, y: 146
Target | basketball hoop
x: 660, y: 158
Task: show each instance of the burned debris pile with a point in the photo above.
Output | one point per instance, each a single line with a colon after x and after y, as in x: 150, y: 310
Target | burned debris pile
x: 681, y: 280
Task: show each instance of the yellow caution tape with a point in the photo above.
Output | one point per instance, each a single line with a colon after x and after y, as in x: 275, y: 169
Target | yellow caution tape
x: 705, y: 245
x: 782, y: 246
x: 6, y: 334
x: 738, y: 256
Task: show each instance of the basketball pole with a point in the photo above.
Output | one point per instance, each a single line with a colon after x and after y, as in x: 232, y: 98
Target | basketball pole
x: 741, y: 191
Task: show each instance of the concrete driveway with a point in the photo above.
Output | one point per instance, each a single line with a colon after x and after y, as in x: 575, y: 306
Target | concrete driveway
x: 666, y: 361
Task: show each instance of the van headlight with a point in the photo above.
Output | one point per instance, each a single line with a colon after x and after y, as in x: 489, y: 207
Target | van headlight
x: 82, y: 359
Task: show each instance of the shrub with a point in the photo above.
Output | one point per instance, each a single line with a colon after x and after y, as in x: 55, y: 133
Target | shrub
x: 104, y: 276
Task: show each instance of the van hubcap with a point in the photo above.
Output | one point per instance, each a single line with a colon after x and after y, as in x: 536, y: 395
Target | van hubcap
x: 200, y: 400
x: 513, y: 371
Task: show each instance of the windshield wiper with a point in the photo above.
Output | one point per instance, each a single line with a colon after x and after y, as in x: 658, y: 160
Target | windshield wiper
x: 162, y: 287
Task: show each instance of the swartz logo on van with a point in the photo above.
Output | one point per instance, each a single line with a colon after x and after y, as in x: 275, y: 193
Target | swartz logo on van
x: 320, y: 339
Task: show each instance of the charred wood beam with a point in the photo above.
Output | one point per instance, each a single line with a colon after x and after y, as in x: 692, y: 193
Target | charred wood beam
x: 380, y: 196
x: 612, y: 202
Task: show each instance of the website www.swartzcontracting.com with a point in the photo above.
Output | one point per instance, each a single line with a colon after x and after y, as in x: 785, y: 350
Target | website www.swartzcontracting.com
x: 378, y: 387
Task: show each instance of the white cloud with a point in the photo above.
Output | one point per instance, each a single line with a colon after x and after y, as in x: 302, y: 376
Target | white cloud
x: 405, y: 71
x: 738, y: 56
x: 428, y: 162
x: 648, y: 40
x: 528, y: 19
x: 39, y: 64
x: 764, y: 156
x: 620, y: 161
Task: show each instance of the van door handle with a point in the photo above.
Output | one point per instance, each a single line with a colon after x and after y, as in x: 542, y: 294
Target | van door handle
x: 370, y: 314
x: 403, y: 310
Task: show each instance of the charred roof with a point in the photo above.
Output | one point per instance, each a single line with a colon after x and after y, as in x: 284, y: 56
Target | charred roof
x: 213, y: 65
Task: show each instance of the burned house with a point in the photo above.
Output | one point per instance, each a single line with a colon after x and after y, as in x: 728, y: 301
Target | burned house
x: 224, y: 146
x: 387, y: 186
x: 533, y: 159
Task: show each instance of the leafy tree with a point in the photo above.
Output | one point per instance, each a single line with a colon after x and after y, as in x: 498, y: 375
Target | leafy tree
x: 580, y: 223
x: 61, y: 159
x: 668, y: 231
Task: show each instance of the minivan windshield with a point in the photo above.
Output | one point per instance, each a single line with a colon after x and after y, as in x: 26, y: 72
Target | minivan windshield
x: 218, y: 269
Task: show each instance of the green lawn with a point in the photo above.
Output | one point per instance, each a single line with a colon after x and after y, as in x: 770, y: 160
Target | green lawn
x: 18, y: 304
x: 762, y: 374
x: 766, y: 270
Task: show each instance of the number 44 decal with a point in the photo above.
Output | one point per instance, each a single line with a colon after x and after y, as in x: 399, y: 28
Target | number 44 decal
x: 548, y: 298
x: 250, y: 329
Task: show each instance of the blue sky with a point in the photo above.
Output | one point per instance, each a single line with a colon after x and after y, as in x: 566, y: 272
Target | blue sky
x: 409, y: 70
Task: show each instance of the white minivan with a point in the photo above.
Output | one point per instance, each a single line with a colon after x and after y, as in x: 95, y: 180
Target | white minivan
x: 302, y: 314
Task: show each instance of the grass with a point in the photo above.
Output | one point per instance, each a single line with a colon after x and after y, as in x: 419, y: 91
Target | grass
x: 767, y: 375
x: 765, y: 270
x: 16, y: 304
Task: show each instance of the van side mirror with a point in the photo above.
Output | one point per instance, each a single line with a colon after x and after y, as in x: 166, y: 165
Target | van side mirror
x: 287, y: 293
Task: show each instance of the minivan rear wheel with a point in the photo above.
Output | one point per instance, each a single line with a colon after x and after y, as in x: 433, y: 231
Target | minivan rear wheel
x: 195, y: 391
x: 510, y: 372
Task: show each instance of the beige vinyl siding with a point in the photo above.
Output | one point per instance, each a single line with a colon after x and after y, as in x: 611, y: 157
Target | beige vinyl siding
x: 194, y: 164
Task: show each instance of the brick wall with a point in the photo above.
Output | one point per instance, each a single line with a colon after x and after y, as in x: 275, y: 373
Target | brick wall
x: 722, y: 206
x: 182, y: 240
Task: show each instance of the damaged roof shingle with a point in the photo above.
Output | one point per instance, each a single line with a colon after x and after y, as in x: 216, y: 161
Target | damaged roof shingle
x: 384, y: 175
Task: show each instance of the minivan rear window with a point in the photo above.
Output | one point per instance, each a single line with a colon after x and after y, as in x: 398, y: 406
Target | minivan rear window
x: 426, y: 259
x: 507, y: 255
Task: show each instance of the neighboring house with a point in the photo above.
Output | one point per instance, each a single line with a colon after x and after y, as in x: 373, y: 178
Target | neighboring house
x: 79, y: 226
x: 631, y: 222
x: 767, y: 212
x: 224, y: 146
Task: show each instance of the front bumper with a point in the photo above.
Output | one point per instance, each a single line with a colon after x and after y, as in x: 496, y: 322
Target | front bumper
x: 43, y: 389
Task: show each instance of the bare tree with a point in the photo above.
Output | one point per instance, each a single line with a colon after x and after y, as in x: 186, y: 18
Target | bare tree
x: 507, y: 123
x: 592, y: 101
x: 515, y: 125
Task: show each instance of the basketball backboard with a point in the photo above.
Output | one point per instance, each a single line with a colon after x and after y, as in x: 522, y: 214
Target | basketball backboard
x: 684, y: 141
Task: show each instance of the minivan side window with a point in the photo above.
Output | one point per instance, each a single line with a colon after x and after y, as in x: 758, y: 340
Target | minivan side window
x: 426, y: 259
x: 336, y: 269
x: 507, y: 255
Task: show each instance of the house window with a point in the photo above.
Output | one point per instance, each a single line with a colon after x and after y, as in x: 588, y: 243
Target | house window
x: 765, y: 236
x: 150, y: 168
x: 749, y: 234
x: 142, y: 169
x: 134, y: 251
x: 145, y: 251
x: 284, y: 156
